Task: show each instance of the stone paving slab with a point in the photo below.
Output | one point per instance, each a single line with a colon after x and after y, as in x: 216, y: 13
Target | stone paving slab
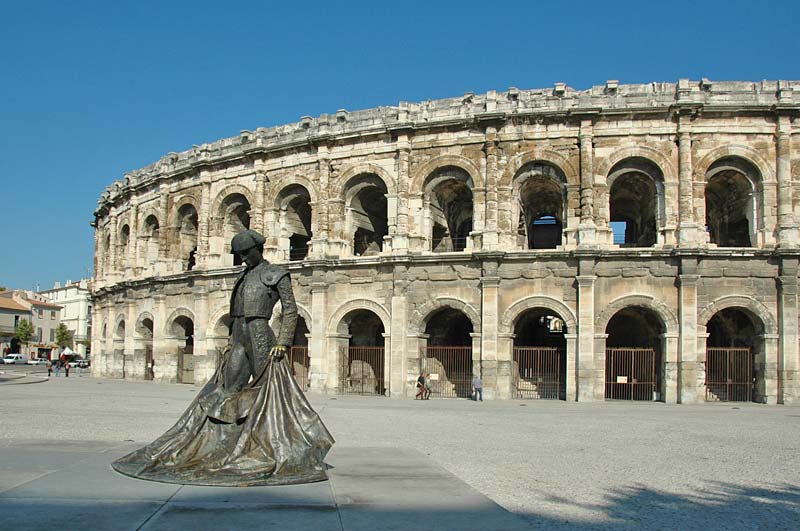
x: 50, y: 485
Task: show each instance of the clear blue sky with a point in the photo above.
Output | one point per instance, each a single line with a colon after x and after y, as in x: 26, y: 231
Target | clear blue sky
x: 90, y: 90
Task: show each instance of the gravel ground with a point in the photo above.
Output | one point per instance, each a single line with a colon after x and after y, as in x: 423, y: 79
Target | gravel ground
x: 562, y: 465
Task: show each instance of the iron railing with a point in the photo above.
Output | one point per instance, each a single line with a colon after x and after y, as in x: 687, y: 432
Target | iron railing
x: 539, y: 373
x: 631, y: 374
x: 299, y: 363
x: 361, y: 371
x: 450, y: 370
x: 729, y: 374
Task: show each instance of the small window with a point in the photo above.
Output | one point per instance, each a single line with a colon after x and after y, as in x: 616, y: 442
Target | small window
x: 41, y: 313
x: 39, y: 335
x: 52, y: 315
x: 16, y: 321
x: 52, y: 335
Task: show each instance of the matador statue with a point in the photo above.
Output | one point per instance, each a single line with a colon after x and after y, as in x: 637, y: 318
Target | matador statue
x: 251, y: 423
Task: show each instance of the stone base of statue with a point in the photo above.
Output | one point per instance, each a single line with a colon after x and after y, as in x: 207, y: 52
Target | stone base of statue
x: 265, y: 434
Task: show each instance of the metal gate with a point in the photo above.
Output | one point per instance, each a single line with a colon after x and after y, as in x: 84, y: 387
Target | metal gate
x: 148, y: 362
x: 729, y: 374
x: 186, y: 364
x: 361, y: 371
x: 631, y: 374
x: 540, y: 374
x: 450, y: 370
x: 299, y: 364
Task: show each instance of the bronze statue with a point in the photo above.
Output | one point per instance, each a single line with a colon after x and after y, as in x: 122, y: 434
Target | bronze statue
x: 251, y: 423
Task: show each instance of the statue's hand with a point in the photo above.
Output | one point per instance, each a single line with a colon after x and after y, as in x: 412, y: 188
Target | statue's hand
x: 278, y: 352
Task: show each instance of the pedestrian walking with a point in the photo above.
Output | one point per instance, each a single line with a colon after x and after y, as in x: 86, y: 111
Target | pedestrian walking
x: 428, y: 386
x: 49, y: 365
x: 66, y: 369
x: 58, y: 368
x: 477, y: 389
x: 420, y: 387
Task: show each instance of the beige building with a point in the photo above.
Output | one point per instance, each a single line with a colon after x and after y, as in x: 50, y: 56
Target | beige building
x: 633, y: 242
x: 11, y: 313
x: 74, y: 299
x: 45, y: 318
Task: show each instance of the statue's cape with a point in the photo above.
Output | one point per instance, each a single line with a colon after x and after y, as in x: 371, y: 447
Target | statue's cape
x: 267, y: 434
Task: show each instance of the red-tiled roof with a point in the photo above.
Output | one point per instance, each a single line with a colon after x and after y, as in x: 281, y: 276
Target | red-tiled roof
x: 11, y: 304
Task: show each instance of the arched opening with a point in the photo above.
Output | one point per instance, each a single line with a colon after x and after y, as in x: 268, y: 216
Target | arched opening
x: 734, y: 357
x: 187, y: 236
x: 145, y: 339
x: 636, y: 186
x: 732, y: 206
x: 448, y: 192
x: 634, y: 355
x: 106, y: 264
x: 448, y: 355
x: 367, y: 212
x: 362, y: 361
x: 124, y: 241
x: 541, y: 190
x: 295, y: 220
x: 540, y: 355
x: 149, y: 236
x: 119, y: 346
x: 234, y: 217
x: 182, y: 331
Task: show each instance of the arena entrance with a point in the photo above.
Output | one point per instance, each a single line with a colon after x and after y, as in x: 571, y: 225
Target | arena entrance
x: 145, y: 332
x: 540, y: 356
x: 183, y: 331
x: 634, y: 354
x: 299, y: 360
x: 362, y: 361
x: 447, y: 357
x: 732, y: 374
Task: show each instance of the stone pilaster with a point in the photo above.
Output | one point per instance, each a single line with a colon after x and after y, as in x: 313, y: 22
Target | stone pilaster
x: 490, y: 235
x: 788, y: 355
x: 589, y: 385
x: 572, y: 366
x: 587, y: 230
x: 111, y: 265
x: 203, y: 256
x: 487, y: 358
x: 691, y: 368
x: 164, y: 230
x: 787, y: 225
x: 322, y: 373
x: 321, y: 238
x: 687, y: 225
x: 133, y: 251
x: 257, y: 210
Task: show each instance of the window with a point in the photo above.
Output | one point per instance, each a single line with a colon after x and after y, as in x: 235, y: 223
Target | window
x: 39, y: 335
x: 52, y: 335
x: 16, y: 321
x: 52, y: 314
x: 41, y: 313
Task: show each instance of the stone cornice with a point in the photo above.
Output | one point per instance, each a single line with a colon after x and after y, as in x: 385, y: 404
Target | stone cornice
x: 559, y: 103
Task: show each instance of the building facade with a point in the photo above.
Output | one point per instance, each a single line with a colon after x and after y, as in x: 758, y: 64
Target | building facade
x: 624, y: 242
x: 74, y: 299
x: 45, y: 318
x: 11, y: 313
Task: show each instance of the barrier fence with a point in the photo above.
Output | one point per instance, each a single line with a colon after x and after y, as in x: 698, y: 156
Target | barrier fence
x: 299, y: 364
x: 540, y: 372
x: 729, y: 374
x: 631, y: 374
x: 450, y: 370
x: 361, y: 371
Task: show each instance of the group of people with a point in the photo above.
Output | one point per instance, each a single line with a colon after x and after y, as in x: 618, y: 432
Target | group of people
x: 423, y: 387
x: 57, y: 366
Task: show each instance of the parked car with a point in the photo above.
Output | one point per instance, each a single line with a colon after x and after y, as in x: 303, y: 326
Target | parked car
x: 37, y: 361
x: 78, y: 363
x: 11, y: 359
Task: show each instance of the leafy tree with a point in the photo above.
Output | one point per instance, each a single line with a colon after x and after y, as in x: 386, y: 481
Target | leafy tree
x: 24, y: 332
x: 2, y: 288
x: 63, y: 336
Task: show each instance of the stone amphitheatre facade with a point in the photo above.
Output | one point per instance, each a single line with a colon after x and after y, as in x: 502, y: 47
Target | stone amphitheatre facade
x: 622, y: 242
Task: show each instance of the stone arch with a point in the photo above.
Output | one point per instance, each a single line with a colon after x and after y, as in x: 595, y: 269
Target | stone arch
x: 229, y: 190
x: 734, y: 150
x: 181, y: 201
x: 421, y: 174
x: 537, y: 301
x: 547, y: 156
x: 359, y: 304
x: 143, y: 217
x: 214, y: 318
x: 276, y: 190
x: 351, y: 172
x: 140, y: 323
x: 423, y: 313
x: 119, y: 321
x: 667, y: 316
x: 653, y: 155
x: 757, y: 308
x: 178, y: 312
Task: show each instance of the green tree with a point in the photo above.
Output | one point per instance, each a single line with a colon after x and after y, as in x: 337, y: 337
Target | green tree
x: 24, y: 332
x: 63, y: 336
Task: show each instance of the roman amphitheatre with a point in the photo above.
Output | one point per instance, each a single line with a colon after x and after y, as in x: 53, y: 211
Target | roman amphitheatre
x: 624, y: 242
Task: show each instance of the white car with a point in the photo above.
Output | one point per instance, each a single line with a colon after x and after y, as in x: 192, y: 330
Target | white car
x: 37, y: 361
x: 11, y: 359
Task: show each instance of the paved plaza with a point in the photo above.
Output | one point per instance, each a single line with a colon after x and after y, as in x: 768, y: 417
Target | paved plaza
x: 404, y: 464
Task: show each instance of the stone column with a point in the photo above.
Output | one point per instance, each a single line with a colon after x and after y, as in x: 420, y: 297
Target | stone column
x: 587, y: 230
x: 490, y: 284
x: 111, y: 265
x: 690, y: 368
x: 321, y: 238
x: 165, y: 368
x: 399, y: 332
x: 164, y: 233
x: 506, y: 370
x: 205, y: 355
x: 588, y: 385
x: 769, y: 361
x: 400, y: 243
x: 134, y: 267
x: 490, y: 238
x: 322, y: 360
x: 670, y: 343
x: 572, y: 366
x: 787, y: 226
x: 130, y: 369
x: 788, y: 355
x: 203, y: 256
x: 687, y: 226
x: 257, y: 209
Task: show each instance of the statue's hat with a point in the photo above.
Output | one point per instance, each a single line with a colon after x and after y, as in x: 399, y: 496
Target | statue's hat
x: 245, y: 240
